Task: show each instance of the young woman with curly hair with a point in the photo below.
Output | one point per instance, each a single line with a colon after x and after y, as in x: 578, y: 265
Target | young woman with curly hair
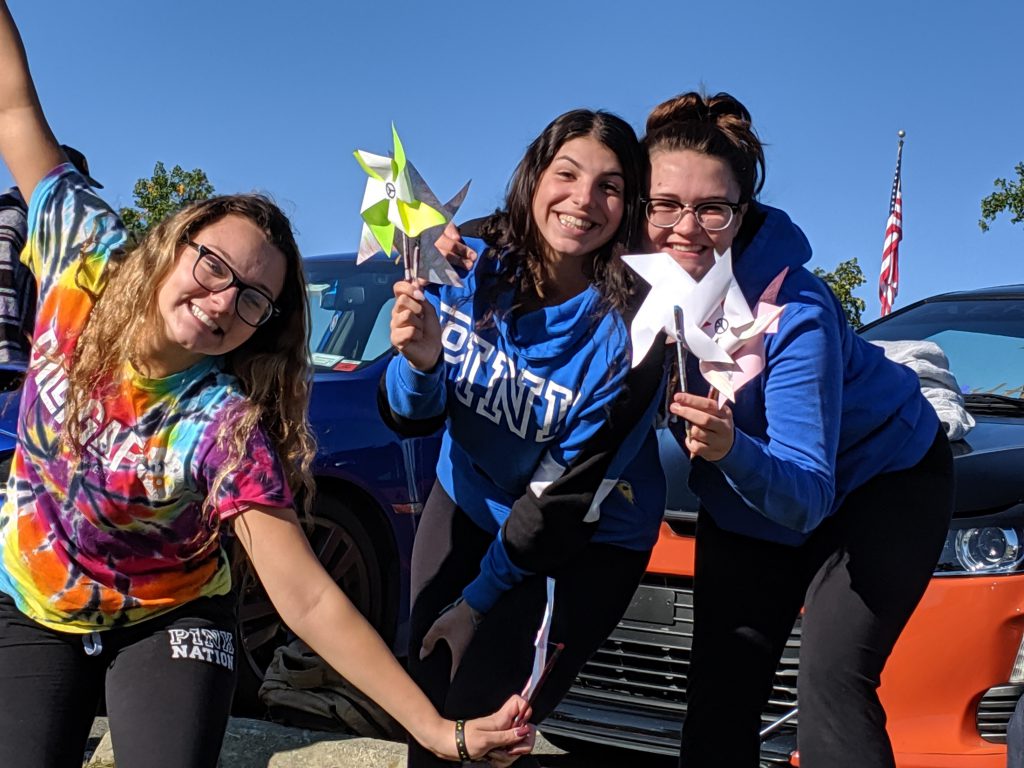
x: 164, y: 406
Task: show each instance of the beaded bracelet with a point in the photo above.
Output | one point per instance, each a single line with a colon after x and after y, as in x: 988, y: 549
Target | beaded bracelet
x: 460, y: 740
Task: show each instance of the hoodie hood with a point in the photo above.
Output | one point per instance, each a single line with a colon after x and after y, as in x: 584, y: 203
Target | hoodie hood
x: 544, y: 334
x: 550, y: 332
x: 776, y: 243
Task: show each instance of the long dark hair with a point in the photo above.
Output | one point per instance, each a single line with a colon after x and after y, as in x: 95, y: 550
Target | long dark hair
x: 512, y: 233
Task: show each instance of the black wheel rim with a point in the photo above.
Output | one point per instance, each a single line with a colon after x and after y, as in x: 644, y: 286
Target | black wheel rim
x: 262, y: 630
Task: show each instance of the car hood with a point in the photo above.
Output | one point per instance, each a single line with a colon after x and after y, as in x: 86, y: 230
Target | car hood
x: 988, y: 465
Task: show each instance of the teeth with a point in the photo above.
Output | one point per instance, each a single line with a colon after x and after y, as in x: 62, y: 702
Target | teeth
x: 203, y: 317
x: 572, y: 221
x: 686, y: 248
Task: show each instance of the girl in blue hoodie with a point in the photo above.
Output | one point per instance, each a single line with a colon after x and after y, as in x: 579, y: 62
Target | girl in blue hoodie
x: 549, y: 465
x: 827, y: 484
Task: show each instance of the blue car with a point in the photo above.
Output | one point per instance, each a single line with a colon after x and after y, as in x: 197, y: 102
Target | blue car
x: 371, y: 484
x: 10, y: 382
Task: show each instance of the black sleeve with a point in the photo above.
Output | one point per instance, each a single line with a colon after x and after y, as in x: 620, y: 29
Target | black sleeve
x: 542, y: 531
x: 400, y: 424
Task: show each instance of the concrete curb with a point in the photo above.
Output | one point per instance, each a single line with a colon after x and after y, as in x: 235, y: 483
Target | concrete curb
x: 259, y: 744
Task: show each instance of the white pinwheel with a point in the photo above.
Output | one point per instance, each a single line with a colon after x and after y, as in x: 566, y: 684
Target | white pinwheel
x: 718, y: 324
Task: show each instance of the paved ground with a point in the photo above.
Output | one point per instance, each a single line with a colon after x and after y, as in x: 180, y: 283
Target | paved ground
x: 259, y: 744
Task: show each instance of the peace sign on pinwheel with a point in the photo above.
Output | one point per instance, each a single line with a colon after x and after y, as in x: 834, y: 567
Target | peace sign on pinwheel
x: 390, y: 202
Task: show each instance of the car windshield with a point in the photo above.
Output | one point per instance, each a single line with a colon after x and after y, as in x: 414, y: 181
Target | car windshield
x: 350, y: 311
x: 983, y: 339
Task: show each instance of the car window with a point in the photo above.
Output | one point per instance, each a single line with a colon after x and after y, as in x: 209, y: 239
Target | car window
x: 350, y: 311
x: 983, y: 339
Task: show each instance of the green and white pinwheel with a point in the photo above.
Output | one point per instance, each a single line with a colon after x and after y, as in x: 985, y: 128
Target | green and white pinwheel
x: 390, y: 202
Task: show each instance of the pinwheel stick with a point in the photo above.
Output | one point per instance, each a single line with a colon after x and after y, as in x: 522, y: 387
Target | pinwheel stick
x: 405, y: 257
x: 677, y: 318
x: 409, y: 258
x: 553, y: 655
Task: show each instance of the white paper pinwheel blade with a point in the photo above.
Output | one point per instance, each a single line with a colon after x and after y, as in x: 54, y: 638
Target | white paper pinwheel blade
x: 540, y: 643
x: 368, y: 245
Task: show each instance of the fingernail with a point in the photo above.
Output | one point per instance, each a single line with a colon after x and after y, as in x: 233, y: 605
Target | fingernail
x: 522, y: 731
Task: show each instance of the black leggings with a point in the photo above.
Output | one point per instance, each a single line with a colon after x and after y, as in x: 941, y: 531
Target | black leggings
x: 169, y: 684
x: 859, y: 577
x: 593, y: 588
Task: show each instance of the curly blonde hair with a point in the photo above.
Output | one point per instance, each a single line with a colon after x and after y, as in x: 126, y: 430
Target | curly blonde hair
x: 272, y: 366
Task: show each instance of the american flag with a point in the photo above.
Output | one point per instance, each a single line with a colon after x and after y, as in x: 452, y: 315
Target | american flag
x: 889, y: 280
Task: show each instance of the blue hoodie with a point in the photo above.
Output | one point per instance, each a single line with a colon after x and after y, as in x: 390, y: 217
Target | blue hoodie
x: 549, y: 440
x: 827, y: 414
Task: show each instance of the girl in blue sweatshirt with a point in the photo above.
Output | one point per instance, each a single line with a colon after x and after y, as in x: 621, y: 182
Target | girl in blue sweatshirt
x: 827, y: 484
x: 549, y: 465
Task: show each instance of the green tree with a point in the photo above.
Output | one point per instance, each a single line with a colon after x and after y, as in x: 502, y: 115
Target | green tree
x: 1008, y: 197
x: 162, y: 194
x: 844, y: 280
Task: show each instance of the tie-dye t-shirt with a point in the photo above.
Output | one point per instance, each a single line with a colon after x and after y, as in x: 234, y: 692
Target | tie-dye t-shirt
x: 128, y: 532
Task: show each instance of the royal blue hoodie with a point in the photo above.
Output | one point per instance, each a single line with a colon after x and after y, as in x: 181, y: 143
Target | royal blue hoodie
x: 550, y: 440
x: 827, y: 414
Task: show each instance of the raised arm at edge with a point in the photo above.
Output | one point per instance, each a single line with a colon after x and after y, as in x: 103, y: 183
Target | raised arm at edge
x: 27, y: 144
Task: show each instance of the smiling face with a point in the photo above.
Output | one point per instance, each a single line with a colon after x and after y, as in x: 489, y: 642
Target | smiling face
x: 197, y: 322
x: 578, y: 203
x: 690, y: 177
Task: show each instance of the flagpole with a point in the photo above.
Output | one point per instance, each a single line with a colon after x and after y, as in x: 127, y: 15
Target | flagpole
x: 889, y: 278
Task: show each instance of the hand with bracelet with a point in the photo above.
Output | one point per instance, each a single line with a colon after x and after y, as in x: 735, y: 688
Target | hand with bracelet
x: 456, y: 625
x: 482, y: 737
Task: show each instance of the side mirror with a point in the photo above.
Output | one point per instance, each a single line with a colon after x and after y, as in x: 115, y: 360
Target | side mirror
x: 347, y: 298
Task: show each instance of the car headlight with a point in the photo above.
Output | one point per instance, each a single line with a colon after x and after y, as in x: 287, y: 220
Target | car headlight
x: 987, y: 545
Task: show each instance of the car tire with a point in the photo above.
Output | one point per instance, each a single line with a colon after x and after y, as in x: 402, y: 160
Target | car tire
x: 349, y: 553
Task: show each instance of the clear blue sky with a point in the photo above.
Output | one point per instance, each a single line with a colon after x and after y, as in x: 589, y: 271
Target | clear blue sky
x: 275, y: 96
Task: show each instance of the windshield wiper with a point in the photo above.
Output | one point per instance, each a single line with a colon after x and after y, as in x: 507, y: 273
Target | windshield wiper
x: 991, y: 403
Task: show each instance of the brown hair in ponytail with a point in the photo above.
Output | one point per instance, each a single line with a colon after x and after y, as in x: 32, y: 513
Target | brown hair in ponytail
x: 717, y: 125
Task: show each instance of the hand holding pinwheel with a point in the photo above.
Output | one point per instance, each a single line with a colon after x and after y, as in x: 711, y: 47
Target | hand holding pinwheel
x: 415, y: 328
x: 709, y: 431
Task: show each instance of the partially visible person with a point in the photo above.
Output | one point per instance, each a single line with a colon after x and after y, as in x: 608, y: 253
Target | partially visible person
x: 549, y: 465
x: 827, y: 484
x: 164, y: 410
x: 1015, y: 737
x: 17, y: 286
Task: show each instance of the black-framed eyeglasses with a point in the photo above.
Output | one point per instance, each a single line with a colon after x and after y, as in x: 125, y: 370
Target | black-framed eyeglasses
x: 713, y: 217
x: 253, y: 306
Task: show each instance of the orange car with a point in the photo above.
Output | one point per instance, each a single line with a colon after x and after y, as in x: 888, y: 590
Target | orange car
x: 956, y: 673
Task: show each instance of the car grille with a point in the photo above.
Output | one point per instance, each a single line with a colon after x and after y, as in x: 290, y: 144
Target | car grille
x: 642, y: 663
x: 995, y: 709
